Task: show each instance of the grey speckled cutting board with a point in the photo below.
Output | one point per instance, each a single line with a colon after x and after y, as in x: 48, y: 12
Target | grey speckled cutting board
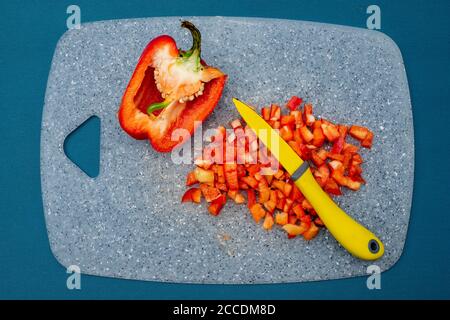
x: 129, y: 222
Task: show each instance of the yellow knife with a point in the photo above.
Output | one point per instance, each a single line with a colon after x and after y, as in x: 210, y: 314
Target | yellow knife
x: 350, y: 234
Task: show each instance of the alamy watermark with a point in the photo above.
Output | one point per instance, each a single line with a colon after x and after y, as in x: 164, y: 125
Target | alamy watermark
x: 220, y: 146
x: 74, y: 19
x: 74, y: 280
x: 374, y: 280
x: 374, y: 20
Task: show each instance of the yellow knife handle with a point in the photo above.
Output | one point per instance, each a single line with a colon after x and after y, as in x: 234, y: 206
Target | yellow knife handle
x: 350, y: 234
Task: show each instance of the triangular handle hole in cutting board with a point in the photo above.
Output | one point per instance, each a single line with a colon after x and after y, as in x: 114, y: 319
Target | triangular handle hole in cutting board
x: 82, y: 146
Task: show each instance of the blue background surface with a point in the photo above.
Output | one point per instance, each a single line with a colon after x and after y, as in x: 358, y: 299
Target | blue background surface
x: 29, y: 33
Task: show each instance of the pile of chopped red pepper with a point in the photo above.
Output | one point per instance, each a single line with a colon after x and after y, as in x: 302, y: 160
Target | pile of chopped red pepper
x: 274, y: 198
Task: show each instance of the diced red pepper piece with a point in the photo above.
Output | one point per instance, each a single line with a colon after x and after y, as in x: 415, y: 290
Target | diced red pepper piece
x: 279, y: 185
x: 319, y: 137
x: 273, y: 195
x: 305, y: 151
x: 322, y: 154
x: 222, y: 186
x: 232, y: 194
x: 279, y: 174
x: 338, y: 145
x: 275, y: 112
x: 295, y: 146
x: 359, y: 132
x: 294, y: 230
x: 287, y: 120
x: 332, y: 187
x: 306, y: 205
x: 253, y: 169
x: 190, y: 180
x: 354, y: 170
x: 294, y: 103
x: 292, y: 219
x: 357, y: 159
x: 338, y: 176
x: 262, y: 182
x: 216, y: 206
x: 288, y: 205
x: 268, y: 222
x: 257, y: 212
x: 336, y: 165
x: 264, y: 194
x: 265, y: 112
x: 306, y: 134
x: 367, y: 142
x: 344, y: 180
x: 270, y: 205
x: 358, y: 179
x: 286, y: 133
x: 323, y: 173
x: 258, y: 176
x: 343, y: 129
x: 298, y: 136
x: 350, y: 148
x: 287, y: 189
x: 203, y: 163
x: 196, y: 196
x: 280, y: 194
x: 311, y: 233
x: 276, y: 125
x: 251, y: 181
x: 298, y: 118
x: 352, y: 184
x: 298, y: 210
x: 281, y: 202
x: 308, y: 112
x: 204, y: 176
x: 192, y: 195
x: 236, y: 196
x: 251, y: 198
x: 210, y: 193
x: 296, y: 194
x: 336, y: 156
x: 317, y: 159
x: 231, y: 175
x: 318, y: 222
x: 306, y: 219
x: 243, y: 185
x: 330, y: 131
x: 239, y: 198
x: 241, y: 172
x: 281, y: 218
x: 346, y: 160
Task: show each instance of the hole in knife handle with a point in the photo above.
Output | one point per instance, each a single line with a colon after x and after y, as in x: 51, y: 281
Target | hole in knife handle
x: 374, y: 246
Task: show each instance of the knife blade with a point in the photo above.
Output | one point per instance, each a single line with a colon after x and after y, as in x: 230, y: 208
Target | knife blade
x: 354, y: 237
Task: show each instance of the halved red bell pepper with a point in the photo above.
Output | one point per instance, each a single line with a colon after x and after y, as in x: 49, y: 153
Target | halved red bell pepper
x: 169, y: 89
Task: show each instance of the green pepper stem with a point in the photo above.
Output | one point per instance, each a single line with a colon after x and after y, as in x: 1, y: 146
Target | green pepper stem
x: 196, y: 38
x: 157, y: 106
